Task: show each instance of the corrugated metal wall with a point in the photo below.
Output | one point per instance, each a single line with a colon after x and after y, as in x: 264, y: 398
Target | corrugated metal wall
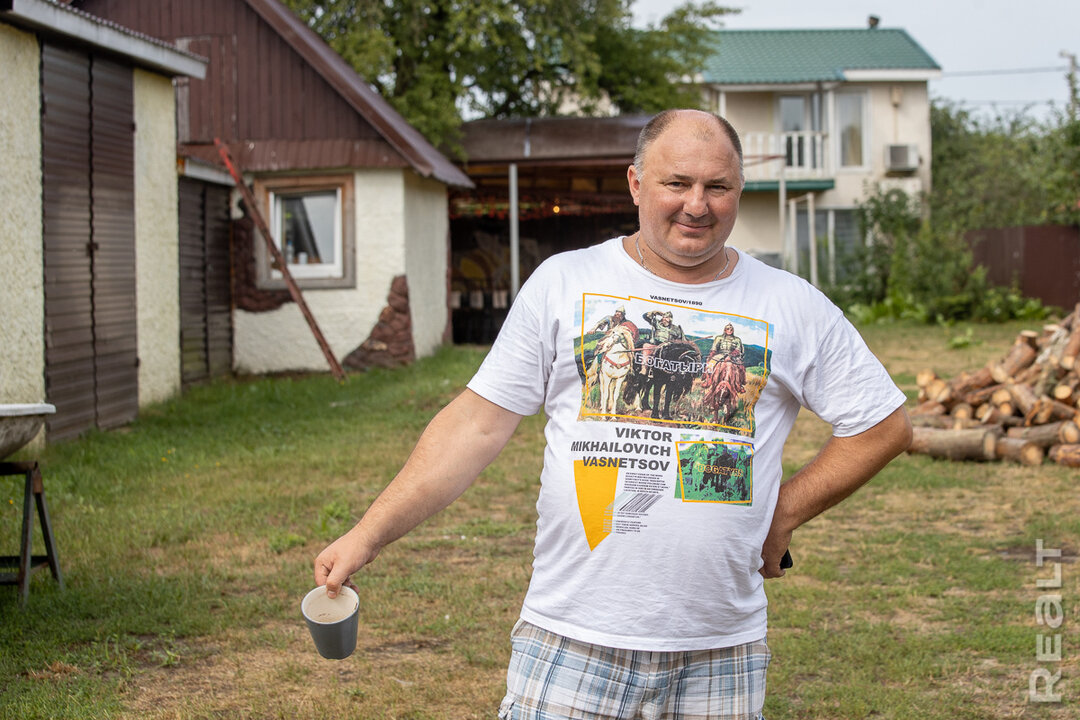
x: 205, y: 282
x: 88, y: 216
x: 1044, y: 261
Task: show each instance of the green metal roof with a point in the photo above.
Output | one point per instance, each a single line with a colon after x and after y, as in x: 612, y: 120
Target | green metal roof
x: 799, y: 56
x: 814, y: 185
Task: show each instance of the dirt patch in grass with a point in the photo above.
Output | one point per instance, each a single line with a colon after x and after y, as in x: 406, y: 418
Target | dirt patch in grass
x: 240, y: 676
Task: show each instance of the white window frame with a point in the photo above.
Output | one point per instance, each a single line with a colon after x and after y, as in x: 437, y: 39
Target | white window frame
x: 304, y: 270
x: 339, y: 274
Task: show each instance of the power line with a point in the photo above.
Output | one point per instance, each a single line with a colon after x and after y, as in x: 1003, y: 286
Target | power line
x: 1007, y: 71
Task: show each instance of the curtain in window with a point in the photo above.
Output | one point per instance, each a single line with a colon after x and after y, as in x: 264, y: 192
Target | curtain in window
x: 849, y: 120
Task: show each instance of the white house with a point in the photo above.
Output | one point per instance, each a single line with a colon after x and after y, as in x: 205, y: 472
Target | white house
x: 824, y: 115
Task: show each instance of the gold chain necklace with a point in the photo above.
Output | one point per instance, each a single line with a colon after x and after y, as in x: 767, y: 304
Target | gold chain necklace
x: 641, y: 259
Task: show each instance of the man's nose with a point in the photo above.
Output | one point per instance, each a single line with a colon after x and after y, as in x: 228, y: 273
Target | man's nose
x: 695, y: 202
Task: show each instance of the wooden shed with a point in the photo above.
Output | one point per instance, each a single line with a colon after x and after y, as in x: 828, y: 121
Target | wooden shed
x: 340, y: 176
x: 88, y: 172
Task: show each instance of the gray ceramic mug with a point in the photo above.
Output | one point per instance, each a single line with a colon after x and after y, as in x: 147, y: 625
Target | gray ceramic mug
x: 332, y: 621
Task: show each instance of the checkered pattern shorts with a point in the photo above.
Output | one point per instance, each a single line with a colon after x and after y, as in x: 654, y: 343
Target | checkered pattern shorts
x: 552, y: 677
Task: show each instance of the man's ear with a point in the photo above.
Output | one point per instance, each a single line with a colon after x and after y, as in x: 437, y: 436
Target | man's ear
x: 634, y: 182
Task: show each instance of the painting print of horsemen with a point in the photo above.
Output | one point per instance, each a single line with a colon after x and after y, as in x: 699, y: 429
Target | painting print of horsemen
x: 725, y: 375
x: 683, y: 366
x: 669, y: 365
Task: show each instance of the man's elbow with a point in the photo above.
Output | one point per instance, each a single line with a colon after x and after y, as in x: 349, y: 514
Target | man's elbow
x: 900, y: 431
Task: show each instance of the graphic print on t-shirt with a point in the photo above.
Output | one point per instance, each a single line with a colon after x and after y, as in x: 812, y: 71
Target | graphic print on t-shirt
x: 715, y: 472
x: 647, y: 361
x: 676, y: 385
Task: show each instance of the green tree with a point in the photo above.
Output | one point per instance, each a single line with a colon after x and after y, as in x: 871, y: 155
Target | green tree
x: 437, y: 61
x: 1004, y: 171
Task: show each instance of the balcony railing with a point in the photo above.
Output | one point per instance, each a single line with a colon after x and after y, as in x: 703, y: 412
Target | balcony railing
x: 801, y: 155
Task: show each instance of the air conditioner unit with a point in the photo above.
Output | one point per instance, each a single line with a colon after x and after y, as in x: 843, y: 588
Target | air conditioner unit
x: 901, y: 158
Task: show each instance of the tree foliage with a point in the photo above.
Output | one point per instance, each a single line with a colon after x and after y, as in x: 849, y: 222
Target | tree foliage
x: 1005, y: 171
x: 438, y: 61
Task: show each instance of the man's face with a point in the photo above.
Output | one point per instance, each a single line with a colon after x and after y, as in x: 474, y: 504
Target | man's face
x: 665, y: 320
x: 688, y: 191
x: 618, y: 316
x: 729, y: 330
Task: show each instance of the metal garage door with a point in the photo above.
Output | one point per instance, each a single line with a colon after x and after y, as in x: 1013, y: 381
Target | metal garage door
x: 88, y: 213
x: 205, y: 281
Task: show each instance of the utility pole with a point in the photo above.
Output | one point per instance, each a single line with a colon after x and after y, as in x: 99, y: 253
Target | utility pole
x: 1071, y: 78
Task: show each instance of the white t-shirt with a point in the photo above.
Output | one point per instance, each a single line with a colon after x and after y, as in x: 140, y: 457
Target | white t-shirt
x: 651, y: 522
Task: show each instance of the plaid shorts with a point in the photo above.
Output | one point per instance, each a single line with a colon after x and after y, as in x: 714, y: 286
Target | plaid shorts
x: 552, y: 677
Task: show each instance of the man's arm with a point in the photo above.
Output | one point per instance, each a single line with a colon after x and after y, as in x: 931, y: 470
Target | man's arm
x: 842, y: 467
x: 455, y: 447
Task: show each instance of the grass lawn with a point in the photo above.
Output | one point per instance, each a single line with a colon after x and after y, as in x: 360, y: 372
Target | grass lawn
x: 187, y: 538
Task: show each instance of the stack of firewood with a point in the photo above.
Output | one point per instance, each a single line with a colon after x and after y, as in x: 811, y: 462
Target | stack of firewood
x: 1022, y: 407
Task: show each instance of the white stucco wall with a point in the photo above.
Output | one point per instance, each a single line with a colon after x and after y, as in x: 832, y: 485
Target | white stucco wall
x: 22, y: 300
x: 427, y: 227
x: 758, y: 226
x: 157, y: 269
x: 280, y: 340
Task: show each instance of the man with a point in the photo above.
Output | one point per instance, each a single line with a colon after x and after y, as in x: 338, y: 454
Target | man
x: 657, y: 610
x: 663, y: 330
x: 728, y: 348
x: 614, y: 320
x: 607, y: 324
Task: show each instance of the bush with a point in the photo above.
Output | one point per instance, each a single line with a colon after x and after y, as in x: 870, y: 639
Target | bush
x: 912, y: 270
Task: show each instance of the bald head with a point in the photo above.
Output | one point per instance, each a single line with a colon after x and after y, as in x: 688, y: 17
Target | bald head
x: 705, y: 124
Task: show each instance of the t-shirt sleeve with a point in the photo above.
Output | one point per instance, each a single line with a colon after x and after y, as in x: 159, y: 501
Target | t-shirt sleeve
x: 515, y: 373
x: 846, y: 385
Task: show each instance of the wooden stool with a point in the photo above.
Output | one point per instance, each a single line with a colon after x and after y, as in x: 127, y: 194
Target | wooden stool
x: 27, y: 563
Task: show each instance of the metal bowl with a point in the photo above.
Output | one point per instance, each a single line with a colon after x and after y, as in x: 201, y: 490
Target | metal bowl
x: 19, y: 424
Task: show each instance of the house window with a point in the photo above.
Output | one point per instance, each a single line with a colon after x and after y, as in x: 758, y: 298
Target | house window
x: 800, y: 125
x: 307, y: 231
x: 851, y: 128
x: 311, y: 222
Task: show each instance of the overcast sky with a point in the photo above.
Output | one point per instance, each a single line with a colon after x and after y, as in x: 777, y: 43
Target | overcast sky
x: 963, y: 36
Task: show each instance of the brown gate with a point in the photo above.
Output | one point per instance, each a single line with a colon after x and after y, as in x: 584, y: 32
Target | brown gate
x: 205, y: 282
x: 88, y: 217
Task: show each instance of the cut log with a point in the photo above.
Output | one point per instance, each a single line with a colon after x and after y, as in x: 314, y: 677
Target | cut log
x: 1072, y: 345
x: 938, y: 390
x: 943, y: 422
x: 925, y: 377
x: 1023, y: 397
x: 1065, y: 390
x: 1053, y: 347
x: 1018, y: 450
x: 962, y: 411
x: 930, y: 407
x: 1066, y: 454
x: 1047, y: 410
x: 965, y: 383
x: 1020, y: 356
x: 1030, y: 337
x: 970, y: 444
x: 1029, y: 375
x: 978, y: 397
x: 1064, y: 432
x: 1001, y: 396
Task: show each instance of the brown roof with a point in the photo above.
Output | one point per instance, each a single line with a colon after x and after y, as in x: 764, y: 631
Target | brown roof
x: 407, y: 140
x: 275, y: 92
x: 567, y: 140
